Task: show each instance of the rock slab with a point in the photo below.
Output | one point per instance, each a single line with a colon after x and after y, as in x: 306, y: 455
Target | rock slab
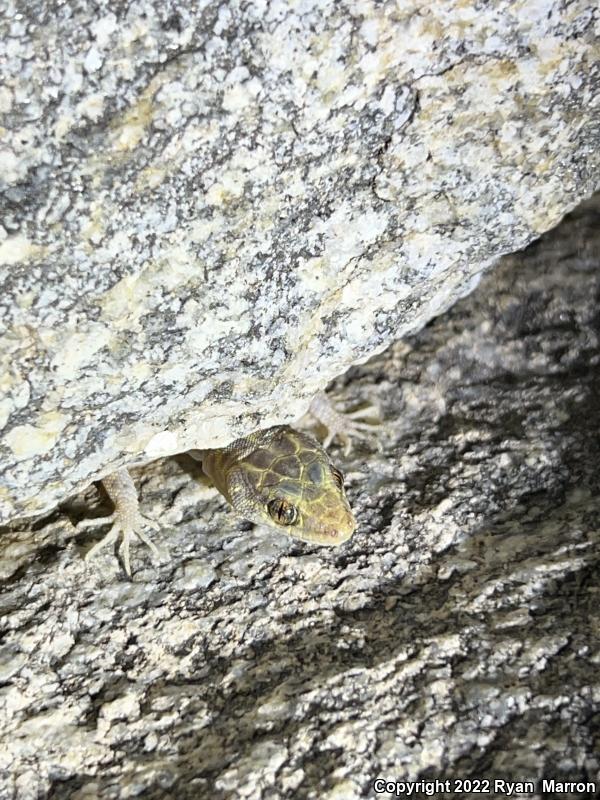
x: 210, y: 210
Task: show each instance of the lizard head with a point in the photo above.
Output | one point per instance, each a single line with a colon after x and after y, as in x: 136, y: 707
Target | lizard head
x: 289, y: 483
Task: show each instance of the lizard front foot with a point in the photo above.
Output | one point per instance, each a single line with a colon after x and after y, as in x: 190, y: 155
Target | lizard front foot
x: 127, y: 521
x: 344, y: 426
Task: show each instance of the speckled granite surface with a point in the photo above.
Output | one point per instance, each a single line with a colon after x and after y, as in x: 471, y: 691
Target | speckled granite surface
x: 209, y: 210
x: 456, y: 634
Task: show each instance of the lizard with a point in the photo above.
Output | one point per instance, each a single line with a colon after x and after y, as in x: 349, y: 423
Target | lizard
x: 280, y: 477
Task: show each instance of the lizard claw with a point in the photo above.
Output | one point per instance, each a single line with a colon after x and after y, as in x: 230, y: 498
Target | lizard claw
x: 123, y: 528
x: 127, y: 521
x: 350, y: 431
x: 344, y: 426
x: 94, y: 522
x: 128, y: 534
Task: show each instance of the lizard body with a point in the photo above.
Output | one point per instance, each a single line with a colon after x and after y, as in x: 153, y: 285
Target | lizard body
x: 279, y: 477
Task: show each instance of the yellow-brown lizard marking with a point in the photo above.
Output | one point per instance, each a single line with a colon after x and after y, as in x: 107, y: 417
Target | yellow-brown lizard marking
x: 279, y: 477
x: 283, y: 478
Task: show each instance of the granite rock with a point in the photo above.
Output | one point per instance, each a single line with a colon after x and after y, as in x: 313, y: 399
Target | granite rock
x: 209, y: 210
x: 457, y: 634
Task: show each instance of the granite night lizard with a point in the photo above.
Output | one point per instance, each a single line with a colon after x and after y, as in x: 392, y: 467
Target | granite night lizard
x: 279, y: 477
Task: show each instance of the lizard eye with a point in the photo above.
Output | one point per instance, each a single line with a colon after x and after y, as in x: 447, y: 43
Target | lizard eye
x: 282, y: 512
x: 338, y: 477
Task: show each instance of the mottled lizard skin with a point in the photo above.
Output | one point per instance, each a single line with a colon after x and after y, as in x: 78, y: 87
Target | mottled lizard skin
x: 283, y: 478
x: 279, y: 477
